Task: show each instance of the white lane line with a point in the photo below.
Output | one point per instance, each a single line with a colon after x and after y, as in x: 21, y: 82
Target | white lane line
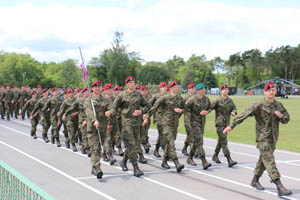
x: 145, y: 178
x: 60, y: 172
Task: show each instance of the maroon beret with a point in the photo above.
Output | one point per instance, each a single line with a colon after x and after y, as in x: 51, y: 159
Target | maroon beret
x: 269, y: 85
x: 44, y: 90
x: 84, y: 89
x: 137, y: 86
x: 108, y: 86
x: 70, y: 90
x: 38, y: 86
x: 77, y: 90
x: 96, y: 83
x: 33, y: 92
x: 191, y: 85
x: 129, y: 78
x: 54, y: 88
x: 173, y: 83
x: 121, y: 88
x: 116, y: 87
x: 224, y: 86
x: 163, y: 84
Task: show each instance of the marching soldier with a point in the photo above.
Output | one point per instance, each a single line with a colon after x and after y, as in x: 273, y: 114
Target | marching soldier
x: 15, y: 102
x: 188, y: 128
x: 268, y: 114
x: 144, y: 129
x: 39, y: 91
x: 29, y: 106
x: 132, y: 105
x: 2, y: 104
x: 224, y: 108
x: 197, y: 107
x: 174, y: 106
x: 8, y: 99
x: 23, y: 99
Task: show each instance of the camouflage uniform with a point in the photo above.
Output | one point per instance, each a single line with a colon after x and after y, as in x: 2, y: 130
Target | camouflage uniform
x: 193, y: 107
x: 188, y: 128
x: 100, y: 106
x: 22, y: 100
x: 15, y: 104
x: 223, y: 108
x: 2, y: 104
x: 267, y: 131
x: 8, y: 106
x: 129, y: 102
x: 46, y: 121
x: 53, y: 104
x: 29, y: 106
x: 145, y: 129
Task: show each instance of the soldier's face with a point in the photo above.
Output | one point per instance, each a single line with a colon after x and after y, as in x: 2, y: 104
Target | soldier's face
x: 224, y: 92
x: 201, y: 91
x: 86, y: 94
x: 45, y: 94
x: 130, y: 85
x: 192, y: 90
x: 270, y: 93
x: 174, y: 89
x: 55, y: 93
x: 97, y: 89
x: 71, y: 95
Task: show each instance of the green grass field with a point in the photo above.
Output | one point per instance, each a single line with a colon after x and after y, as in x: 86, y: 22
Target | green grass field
x: 289, y: 134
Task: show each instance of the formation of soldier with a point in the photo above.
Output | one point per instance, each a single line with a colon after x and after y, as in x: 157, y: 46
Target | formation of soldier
x: 101, y: 118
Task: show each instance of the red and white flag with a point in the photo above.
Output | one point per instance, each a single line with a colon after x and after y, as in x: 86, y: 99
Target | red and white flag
x: 83, y: 67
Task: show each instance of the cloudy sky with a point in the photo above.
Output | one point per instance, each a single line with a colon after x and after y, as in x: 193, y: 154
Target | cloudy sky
x: 52, y: 30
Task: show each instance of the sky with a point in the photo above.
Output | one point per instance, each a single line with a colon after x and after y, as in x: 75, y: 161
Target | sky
x: 52, y: 30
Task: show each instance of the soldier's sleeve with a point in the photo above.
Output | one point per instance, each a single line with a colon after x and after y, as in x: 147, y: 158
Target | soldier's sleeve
x: 116, y: 105
x: 214, y: 104
x: 72, y: 108
x: 46, y: 106
x: 25, y: 107
x: 156, y: 105
x: 233, y: 109
x: 89, y: 111
x: 187, y: 113
x: 152, y: 100
x: 209, y: 105
x: 36, y: 108
x: 62, y: 110
x: 145, y: 104
x: 285, y: 115
x: 247, y: 113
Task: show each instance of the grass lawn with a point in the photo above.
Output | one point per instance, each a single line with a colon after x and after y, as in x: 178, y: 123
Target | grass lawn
x: 245, y: 132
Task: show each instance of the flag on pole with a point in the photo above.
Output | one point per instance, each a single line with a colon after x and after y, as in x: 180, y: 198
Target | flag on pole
x: 83, y: 67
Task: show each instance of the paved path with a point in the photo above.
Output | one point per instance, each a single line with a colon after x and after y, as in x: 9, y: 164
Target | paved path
x: 66, y: 175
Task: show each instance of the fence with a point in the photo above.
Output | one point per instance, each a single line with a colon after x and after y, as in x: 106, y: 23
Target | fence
x: 14, y: 186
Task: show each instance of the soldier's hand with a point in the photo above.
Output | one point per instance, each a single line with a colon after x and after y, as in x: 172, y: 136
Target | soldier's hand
x: 107, y: 114
x: 96, y: 124
x: 64, y: 117
x: 178, y: 110
x: 203, y: 112
x: 84, y: 123
x: 31, y: 117
x: 232, y: 113
x: 58, y: 123
x: 227, y: 130
x: 42, y: 118
x: 145, y: 116
x: 137, y: 113
x: 278, y: 114
x: 35, y: 115
x: 145, y: 122
x: 48, y: 109
x: 109, y: 127
x: 74, y: 114
x: 57, y: 114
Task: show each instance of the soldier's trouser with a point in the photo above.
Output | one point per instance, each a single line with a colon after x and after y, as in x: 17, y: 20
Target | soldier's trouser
x: 21, y: 105
x: 106, y: 139
x: 83, y: 130
x: 144, y: 135
x: 95, y: 147
x: 55, y: 127
x: 16, y: 108
x: 72, y: 126
x: 188, y: 135
x: 46, y: 123
x: 168, y: 140
x: 2, y: 109
x: 78, y: 133
x: 8, y: 108
x: 130, y: 136
x: 34, y: 123
x: 159, y: 141
x: 197, y: 141
x: 65, y: 129
x: 222, y: 142
x: 115, y: 135
x: 266, y: 161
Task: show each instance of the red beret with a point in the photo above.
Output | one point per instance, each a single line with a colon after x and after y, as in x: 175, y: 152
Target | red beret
x: 78, y: 90
x: 44, y: 90
x: 163, y: 84
x: 108, y: 86
x: 8, y: 86
x: 173, y: 83
x: 224, y: 86
x: 142, y: 87
x: 137, y: 86
x: 84, y: 89
x: 121, y: 88
x: 96, y: 83
x: 23, y: 85
x: 65, y: 91
x: 269, y: 85
x: 16, y: 86
x: 191, y: 85
x: 38, y: 86
x: 54, y: 88
x: 70, y: 90
x: 129, y: 78
x: 116, y: 87
x: 33, y: 92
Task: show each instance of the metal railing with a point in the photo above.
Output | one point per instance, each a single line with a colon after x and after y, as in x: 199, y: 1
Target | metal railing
x: 14, y: 186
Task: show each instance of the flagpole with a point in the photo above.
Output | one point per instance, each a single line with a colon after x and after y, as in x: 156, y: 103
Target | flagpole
x: 90, y: 94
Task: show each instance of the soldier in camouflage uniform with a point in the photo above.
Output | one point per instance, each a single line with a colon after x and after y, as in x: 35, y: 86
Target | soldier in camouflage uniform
x: 8, y: 101
x: 78, y: 107
x: 188, y: 128
x: 78, y: 133
x: 157, y: 117
x: 45, y: 116
x: 196, y: 108
x: 71, y: 119
x: 54, y: 104
x: 173, y: 108
x: 268, y: 114
x: 132, y: 106
x: 224, y: 108
x: 98, y: 122
x: 29, y: 106
x: 39, y: 92
x: 144, y: 129
x: 28, y: 90
x: 2, y: 105
x: 23, y: 99
x: 15, y: 102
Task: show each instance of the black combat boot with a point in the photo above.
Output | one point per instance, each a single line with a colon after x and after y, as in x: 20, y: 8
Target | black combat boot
x: 2, y: 116
x: 164, y: 163
x: 205, y: 164
x: 136, y: 171
x: 52, y: 140
x: 256, y: 184
x: 67, y: 143
x: 8, y: 117
x: 97, y: 172
x: 80, y: 140
x: 190, y: 160
x: 231, y: 162
x: 123, y: 163
x: 120, y: 151
x: 112, y: 160
x: 184, y: 150
x: 45, y: 138
x: 88, y: 151
x: 282, y: 191
x: 23, y: 117
x: 83, y: 151
x: 74, y: 149
x: 179, y: 166
x: 216, y: 157
x: 58, y: 142
x: 104, y: 156
x: 142, y: 158
x: 31, y: 133
x: 156, y: 152
x: 146, y: 148
x: 148, y: 144
x: 34, y: 136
